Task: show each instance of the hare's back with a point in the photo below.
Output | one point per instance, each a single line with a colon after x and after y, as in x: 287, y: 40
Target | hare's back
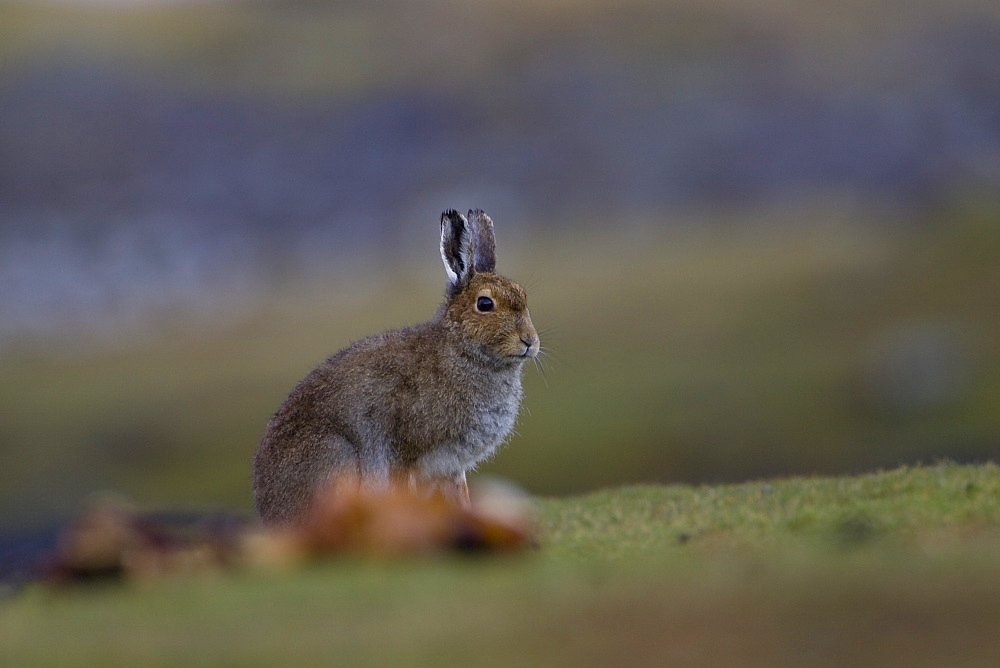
x: 363, y: 378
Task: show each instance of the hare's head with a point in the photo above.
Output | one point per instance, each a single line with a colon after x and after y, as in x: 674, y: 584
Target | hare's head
x: 490, y: 311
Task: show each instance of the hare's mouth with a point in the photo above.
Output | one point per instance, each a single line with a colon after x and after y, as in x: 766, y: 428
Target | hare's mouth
x: 530, y: 348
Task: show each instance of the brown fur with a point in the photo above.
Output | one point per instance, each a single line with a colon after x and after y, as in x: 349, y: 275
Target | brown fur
x: 421, y: 405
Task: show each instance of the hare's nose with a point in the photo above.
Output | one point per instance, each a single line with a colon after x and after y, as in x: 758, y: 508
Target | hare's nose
x: 529, y: 346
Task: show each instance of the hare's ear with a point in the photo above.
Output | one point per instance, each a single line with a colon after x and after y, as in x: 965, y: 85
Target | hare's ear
x: 484, y: 244
x: 456, y: 247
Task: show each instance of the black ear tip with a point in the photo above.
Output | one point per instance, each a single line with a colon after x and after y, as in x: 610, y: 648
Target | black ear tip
x: 448, y: 214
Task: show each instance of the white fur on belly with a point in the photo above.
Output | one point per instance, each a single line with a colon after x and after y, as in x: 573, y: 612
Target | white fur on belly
x: 484, y: 436
x: 442, y: 462
x: 455, y: 458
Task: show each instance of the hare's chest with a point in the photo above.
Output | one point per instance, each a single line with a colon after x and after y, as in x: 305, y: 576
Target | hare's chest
x: 489, y: 429
x: 484, y: 427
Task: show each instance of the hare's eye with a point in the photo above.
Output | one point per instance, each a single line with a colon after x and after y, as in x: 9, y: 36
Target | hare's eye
x: 484, y: 305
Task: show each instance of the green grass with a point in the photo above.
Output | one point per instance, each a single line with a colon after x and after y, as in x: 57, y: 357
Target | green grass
x: 899, y: 567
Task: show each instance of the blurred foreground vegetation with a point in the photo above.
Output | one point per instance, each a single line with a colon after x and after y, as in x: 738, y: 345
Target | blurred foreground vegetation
x: 726, y: 354
x: 898, y: 568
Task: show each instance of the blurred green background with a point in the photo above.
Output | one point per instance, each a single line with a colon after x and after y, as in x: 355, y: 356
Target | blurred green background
x: 758, y: 238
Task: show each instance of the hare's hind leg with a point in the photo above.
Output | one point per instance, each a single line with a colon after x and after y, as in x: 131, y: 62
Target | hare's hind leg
x: 374, y: 469
x: 290, y: 472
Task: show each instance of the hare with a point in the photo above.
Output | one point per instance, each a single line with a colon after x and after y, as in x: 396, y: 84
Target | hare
x: 417, y: 407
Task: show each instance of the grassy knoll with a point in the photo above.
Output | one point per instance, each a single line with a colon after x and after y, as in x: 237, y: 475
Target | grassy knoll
x: 900, y: 567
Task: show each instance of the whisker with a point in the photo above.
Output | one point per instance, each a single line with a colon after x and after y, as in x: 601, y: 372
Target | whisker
x: 548, y: 333
x: 547, y: 353
x: 530, y: 281
x: 543, y: 365
x: 541, y: 371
